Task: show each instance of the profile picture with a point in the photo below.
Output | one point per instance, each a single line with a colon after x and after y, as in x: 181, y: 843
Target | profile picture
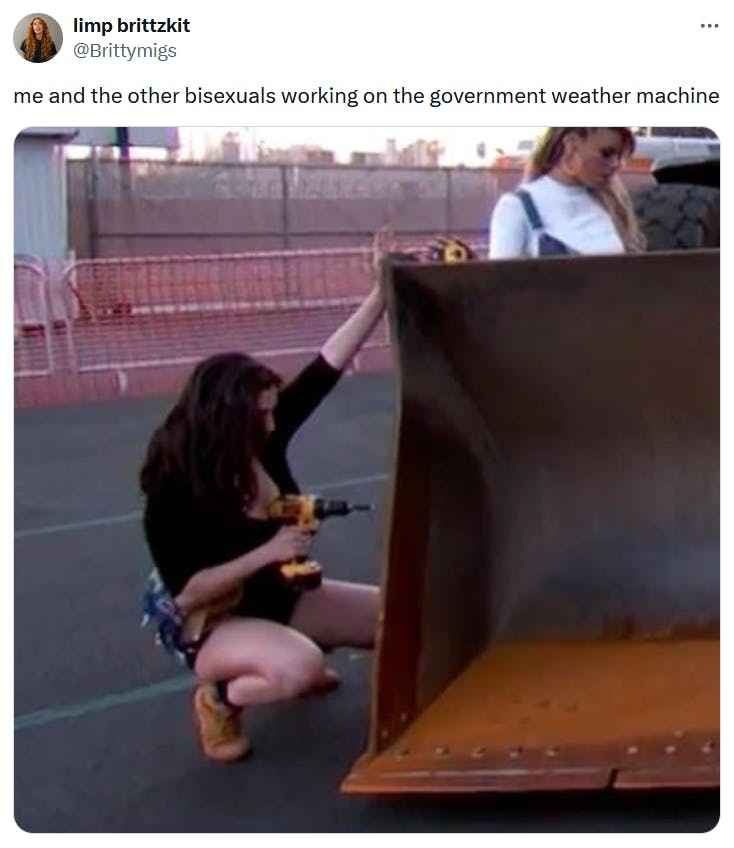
x: 38, y: 38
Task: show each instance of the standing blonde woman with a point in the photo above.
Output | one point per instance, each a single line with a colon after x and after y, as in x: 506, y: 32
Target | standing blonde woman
x: 572, y: 199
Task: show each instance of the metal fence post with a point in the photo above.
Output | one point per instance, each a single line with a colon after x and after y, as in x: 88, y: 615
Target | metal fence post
x: 290, y: 286
x: 449, y: 202
x: 90, y: 181
x: 285, y: 211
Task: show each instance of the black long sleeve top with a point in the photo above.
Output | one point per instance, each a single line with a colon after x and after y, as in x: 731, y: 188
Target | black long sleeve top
x: 183, y: 541
x: 37, y: 56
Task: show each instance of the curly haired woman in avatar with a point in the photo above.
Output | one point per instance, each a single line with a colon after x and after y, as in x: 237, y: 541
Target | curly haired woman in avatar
x: 38, y: 46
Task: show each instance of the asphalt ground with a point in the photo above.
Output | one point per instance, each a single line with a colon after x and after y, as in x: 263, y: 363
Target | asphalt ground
x: 104, y: 738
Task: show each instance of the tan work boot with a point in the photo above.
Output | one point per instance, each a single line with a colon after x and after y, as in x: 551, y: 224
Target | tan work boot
x: 221, y: 736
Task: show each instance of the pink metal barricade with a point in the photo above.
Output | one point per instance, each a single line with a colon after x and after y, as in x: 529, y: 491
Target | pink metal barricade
x: 34, y: 353
x: 42, y: 321
x: 136, y: 326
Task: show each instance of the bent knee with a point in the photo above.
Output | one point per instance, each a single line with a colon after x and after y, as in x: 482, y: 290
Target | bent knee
x: 294, y: 676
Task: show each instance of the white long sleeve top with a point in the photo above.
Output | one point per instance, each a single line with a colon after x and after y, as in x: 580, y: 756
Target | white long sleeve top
x: 569, y: 213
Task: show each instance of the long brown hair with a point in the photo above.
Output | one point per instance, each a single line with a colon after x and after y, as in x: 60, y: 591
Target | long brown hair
x: 210, y: 438
x: 30, y: 41
x: 614, y: 197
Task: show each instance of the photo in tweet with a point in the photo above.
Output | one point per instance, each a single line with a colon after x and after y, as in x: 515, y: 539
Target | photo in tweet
x: 519, y: 326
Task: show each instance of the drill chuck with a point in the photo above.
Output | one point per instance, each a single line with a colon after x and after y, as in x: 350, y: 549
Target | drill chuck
x: 326, y: 508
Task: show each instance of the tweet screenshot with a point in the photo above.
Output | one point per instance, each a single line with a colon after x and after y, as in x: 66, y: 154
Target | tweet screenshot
x: 366, y: 428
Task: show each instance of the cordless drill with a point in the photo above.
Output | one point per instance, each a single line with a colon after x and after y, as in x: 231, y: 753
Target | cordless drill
x: 306, y: 512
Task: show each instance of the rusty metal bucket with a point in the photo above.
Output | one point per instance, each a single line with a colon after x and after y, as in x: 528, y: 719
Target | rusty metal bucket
x: 551, y: 589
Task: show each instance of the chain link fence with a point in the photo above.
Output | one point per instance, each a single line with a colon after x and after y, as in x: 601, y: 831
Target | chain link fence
x: 127, y: 327
x: 145, y: 208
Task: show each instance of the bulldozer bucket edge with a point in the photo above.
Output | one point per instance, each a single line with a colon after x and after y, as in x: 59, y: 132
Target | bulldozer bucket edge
x: 550, y: 597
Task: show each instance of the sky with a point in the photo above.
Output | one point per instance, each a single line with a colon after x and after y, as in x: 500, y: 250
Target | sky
x: 460, y: 143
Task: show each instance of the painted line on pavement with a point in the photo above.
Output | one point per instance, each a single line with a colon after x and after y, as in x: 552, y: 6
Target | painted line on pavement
x: 91, y: 523
x: 173, y: 685
x: 50, y: 715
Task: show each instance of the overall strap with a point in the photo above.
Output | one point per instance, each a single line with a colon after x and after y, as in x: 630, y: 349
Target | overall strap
x: 531, y: 210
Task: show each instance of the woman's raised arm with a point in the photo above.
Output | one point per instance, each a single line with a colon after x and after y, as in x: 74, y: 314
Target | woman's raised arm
x: 345, y: 341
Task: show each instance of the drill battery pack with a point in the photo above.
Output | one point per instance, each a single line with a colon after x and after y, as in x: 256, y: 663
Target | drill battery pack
x: 301, y: 575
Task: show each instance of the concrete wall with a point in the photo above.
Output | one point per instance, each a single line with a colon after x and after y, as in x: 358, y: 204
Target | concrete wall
x: 40, y: 197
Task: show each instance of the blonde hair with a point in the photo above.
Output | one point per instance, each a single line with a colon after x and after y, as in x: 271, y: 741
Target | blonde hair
x: 614, y: 197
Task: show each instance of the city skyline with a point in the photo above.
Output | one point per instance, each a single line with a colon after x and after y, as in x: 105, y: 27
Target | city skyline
x: 460, y: 144
x: 457, y: 146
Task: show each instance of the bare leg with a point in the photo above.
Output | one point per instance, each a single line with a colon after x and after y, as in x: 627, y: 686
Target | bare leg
x: 262, y: 660
x: 339, y: 614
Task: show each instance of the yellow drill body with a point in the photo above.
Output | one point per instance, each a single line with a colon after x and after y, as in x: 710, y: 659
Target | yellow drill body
x: 306, y: 512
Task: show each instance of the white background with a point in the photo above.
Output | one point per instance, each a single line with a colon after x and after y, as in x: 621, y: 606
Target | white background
x: 459, y: 45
